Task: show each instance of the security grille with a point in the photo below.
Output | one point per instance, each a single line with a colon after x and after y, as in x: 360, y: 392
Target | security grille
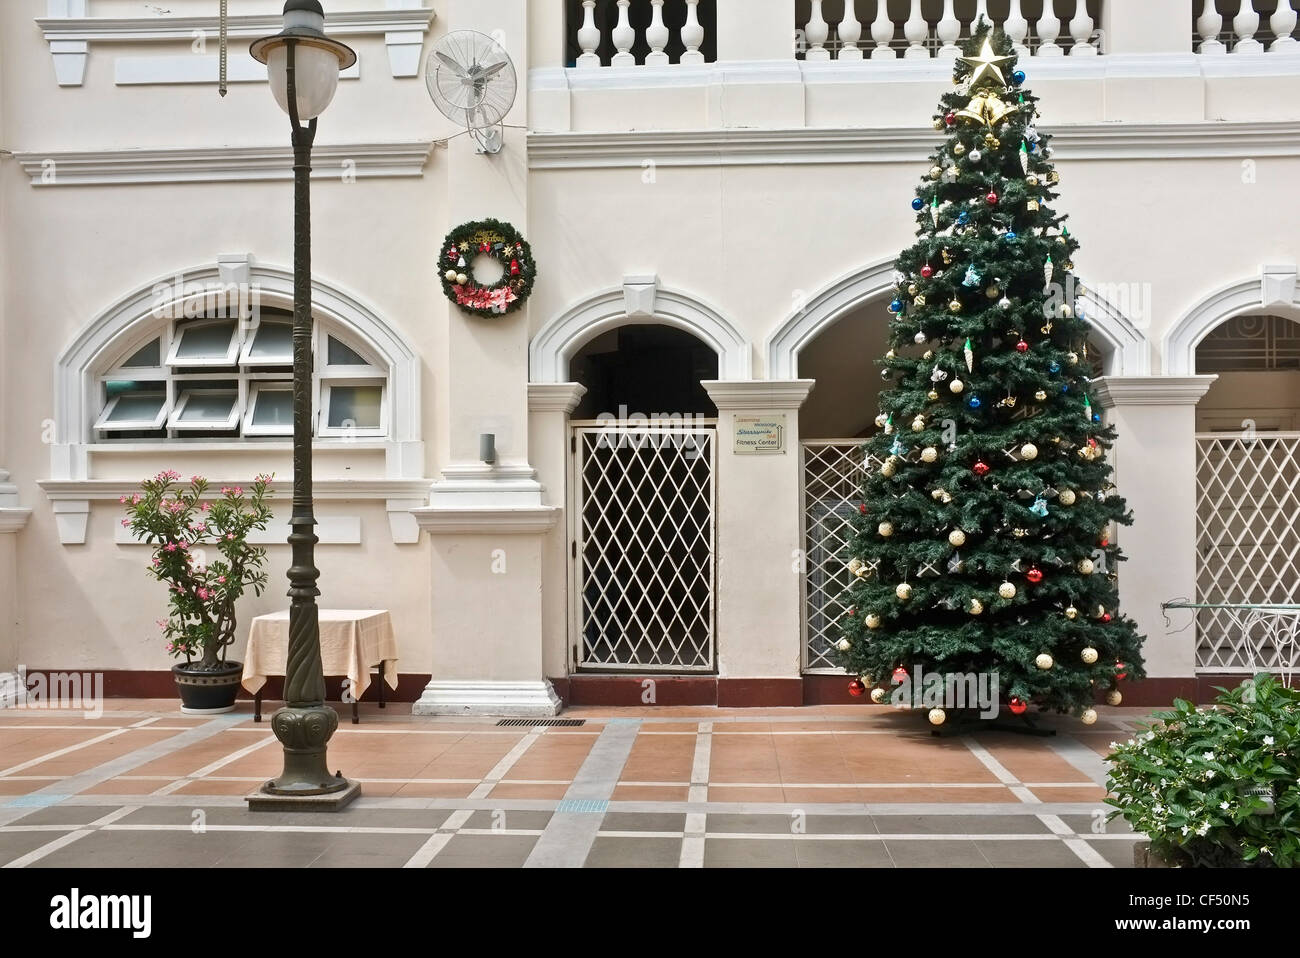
x: 1247, y: 547
x: 643, y: 546
x: 832, y: 481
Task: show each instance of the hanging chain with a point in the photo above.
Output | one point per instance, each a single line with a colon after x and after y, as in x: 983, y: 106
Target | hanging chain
x: 221, y: 83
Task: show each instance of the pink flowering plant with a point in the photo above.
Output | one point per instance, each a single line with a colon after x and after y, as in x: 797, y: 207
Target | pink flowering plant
x: 201, y: 551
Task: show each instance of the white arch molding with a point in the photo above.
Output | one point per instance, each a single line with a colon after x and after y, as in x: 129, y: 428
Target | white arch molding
x: 1274, y: 286
x: 639, y: 301
x: 77, y: 365
x: 1130, y: 352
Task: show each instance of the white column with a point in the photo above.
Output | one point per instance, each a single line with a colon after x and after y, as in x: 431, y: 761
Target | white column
x: 850, y: 32
x: 1155, y: 418
x: 656, y: 35
x: 1244, y: 25
x: 1209, y: 25
x: 948, y: 30
x: 916, y: 29
x: 1017, y: 28
x: 692, y: 34
x: 759, y: 535
x: 12, y: 520
x: 1149, y: 26
x: 1047, y: 30
x: 816, y: 31
x: 623, y: 36
x: 882, y: 31
x: 1081, y: 31
x: 981, y: 10
x: 1283, y: 23
x: 588, y: 36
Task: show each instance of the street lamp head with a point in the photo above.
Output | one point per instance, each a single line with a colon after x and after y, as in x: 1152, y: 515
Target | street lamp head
x: 317, y: 58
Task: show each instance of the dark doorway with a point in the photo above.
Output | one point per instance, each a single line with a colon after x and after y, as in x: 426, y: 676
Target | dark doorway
x: 644, y: 370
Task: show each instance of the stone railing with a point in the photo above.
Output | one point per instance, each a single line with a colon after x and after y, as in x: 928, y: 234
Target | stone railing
x: 1258, y: 26
x: 923, y: 29
x: 623, y: 33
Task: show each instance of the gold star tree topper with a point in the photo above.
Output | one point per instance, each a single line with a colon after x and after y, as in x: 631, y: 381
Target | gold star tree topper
x: 986, y: 67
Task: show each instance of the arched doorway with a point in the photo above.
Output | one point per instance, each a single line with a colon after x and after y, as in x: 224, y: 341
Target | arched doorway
x: 641, y: 517
x: 1248, y: 492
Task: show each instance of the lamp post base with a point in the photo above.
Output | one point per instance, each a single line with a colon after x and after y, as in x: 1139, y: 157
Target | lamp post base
x: 306, y: 782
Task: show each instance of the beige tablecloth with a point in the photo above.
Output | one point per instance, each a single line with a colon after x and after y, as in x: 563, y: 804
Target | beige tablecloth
x: 351, y: 642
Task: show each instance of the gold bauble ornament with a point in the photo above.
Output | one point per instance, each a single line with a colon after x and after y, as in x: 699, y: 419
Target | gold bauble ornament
x: 928, y: 355
x: 991, y: 141
x: 976, y: 607
x: 843, y: 645
x: 932, y: 395
x: 939, y: 124
x: 881, y: 420
x: 918, y: 424
x: 859, y: 568
x: 878, y: 695
x: 929, y: 454
x: 1040, y: 396
x: 956, y: 538
x: 886, y: 529
x: 937, y: 495
x: 890, y: 355
x: 937, y: 717
x: 959, y: 149
x: 947, y: 256
x: 904, y: 591
x: 954, y: 306
x: 1072, y: 358
x: 1044, y: 661
x: 913, y: 289
x: 1072, y: 613
x: 1085, y: 567
x: 1089, y: 716
x: 1088, y: 655
x: 872, y: 620
x: 887, y: 468
x: 1007, y: 590
x: 993, y: 292
x: 1067, y: 497
x: 461, y: 279
x: 956, y: 386
x: 1031, y: 180
x: 1114, y: 697
x: 450, y: 276
x: 936, y: 172
x: 1028, y: 451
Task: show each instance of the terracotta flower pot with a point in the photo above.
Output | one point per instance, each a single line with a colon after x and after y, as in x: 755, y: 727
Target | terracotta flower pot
x: 207, y: 691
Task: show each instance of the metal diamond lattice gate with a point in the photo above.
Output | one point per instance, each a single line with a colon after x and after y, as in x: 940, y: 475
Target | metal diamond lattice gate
x: 1247, y: 548
x: 643, y: 547
x: 832, y: 484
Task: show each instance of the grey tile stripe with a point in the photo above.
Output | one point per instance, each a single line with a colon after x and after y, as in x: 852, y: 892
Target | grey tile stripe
x: 1081, y: 757
x: 569, y: 835
x: 124, y: 763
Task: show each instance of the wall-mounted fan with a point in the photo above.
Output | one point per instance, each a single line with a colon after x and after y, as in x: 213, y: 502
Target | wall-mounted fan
x: 472, y: 81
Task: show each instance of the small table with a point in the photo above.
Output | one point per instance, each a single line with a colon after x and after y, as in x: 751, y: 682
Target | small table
x: 352, y: 642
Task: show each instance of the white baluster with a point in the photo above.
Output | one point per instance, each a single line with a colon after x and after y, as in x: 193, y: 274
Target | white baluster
x: 1017, y: 28
x: 882, y: 31
x: 1081, y: 31
x: 623, y: 36
x: 981, y: 10
x: 850, y: 33
x: 1049, y: 28
x: 1209, y: 25
x: 692, y: 34
x: 1283, y: 23
x: 656, y: 35
x: 1244, y: 25
x: 949, y: 29
x: 817, y: 31
x: 589, y: 36
x: 916, y: 29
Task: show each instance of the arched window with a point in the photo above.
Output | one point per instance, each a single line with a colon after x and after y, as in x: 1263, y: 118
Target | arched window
x: 219, y: 377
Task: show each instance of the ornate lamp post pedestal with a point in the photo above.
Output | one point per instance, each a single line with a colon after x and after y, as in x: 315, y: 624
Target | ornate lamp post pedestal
x: 303, y: 66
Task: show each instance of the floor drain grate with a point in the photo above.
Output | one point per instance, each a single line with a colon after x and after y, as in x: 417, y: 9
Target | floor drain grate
x: 545, y: 723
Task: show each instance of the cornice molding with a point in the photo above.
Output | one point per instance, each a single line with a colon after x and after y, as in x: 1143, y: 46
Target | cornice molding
x: 488, y: 520
x: 102, y: 490
x: 729, y: 395
x: 555, y: 397
x: 222, y: 164
x: 13, y: 520
x: 352, y: 23
x: 821, y: 146
x: 1111, y: 391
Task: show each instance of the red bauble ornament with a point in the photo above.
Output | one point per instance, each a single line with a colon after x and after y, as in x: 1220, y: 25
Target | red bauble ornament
x: 1022, y: 347
x: 862, y: 508
x: 857, y: 688
x: 1017, y: 706
x: 1034, y: 575
x: 950, y: 119
x: 991, y: 199
x: 1104, y: 542
x: 1121, y: 674
x: 900, y: 675
x: 927, y: 270
x: 980, y: 468
x: 1105, y: 617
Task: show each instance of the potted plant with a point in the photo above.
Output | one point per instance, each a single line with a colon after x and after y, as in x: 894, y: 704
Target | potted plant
x: 201, y: 551
x: 1216, y: 786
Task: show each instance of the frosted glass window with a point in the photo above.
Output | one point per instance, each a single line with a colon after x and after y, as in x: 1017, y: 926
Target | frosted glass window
x: 272, y: 344
x: 339, y: 354
x: 204, y: 344
x: 134, y: 410
x: 149, y: 356
x: 356, y: 407
x: 273, y: 407
x: 206, y: 409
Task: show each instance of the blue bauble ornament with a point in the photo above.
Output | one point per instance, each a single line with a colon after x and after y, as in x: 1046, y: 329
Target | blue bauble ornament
x: 963, y: 218
x: 1018, y: 77
x: 1096, y: 417
x: 918, y: 204
x: 974, y: 402
x: 1052, y: 367
x: 896, y: 306
x: 1065, y: 387
x: 1009, y: 235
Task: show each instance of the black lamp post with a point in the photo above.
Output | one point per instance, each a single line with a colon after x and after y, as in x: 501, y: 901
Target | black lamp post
x: 303, y: 67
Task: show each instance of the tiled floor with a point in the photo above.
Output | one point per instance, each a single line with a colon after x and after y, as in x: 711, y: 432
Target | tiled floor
x: 143, y: 785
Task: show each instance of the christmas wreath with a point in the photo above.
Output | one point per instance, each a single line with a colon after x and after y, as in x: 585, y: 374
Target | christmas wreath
x: 501, y: 242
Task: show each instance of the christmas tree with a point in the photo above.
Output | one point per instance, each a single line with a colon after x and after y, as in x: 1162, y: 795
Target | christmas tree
x: 985, y: 539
